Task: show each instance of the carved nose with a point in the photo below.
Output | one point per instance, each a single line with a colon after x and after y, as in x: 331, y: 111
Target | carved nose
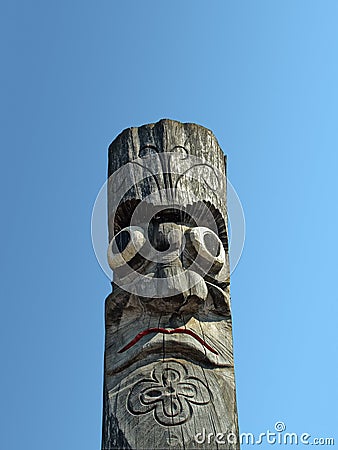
x: 181, y: 285
x: 168, y: 239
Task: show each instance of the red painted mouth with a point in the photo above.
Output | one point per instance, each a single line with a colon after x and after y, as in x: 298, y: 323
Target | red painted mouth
x: 166, y: 331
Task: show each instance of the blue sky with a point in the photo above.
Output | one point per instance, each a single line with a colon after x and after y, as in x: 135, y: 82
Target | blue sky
x: 263, y: 76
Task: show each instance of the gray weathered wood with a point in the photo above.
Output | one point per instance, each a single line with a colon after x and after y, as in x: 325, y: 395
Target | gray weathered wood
x: 169, y: 371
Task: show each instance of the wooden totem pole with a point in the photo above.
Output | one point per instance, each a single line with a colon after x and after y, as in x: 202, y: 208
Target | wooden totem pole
x: 169, y: 371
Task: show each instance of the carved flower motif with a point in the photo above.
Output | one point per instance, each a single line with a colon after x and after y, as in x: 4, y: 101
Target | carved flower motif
x: 169, y: 393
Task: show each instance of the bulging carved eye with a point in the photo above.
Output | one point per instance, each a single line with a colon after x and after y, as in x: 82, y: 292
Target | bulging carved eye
x: 208, y: 246
x: 124, y: 246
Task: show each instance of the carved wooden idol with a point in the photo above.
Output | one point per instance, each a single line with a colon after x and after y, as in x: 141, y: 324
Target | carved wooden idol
x: 169, y: 371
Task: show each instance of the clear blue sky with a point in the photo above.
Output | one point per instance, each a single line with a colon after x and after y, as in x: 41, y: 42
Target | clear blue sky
x: 263, y: 75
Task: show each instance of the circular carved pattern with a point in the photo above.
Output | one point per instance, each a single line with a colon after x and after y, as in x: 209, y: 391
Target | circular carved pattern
x: 125, y: 245
x: 169, y: 393
x: 208, y: 245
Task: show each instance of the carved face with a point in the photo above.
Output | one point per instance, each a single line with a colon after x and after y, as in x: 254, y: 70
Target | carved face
x: 177, y: 255
x: 180, y: 274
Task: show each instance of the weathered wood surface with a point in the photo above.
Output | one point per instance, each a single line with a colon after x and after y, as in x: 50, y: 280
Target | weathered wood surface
x: 169, y: 371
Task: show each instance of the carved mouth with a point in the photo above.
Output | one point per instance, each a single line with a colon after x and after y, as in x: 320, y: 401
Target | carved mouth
x: 166, y: 331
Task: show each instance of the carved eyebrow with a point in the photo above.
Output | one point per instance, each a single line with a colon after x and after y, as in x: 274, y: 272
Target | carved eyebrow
x: 166, y: 331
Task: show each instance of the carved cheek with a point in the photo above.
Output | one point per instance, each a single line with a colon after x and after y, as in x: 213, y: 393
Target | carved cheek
x: 124, y: 246
x: 208, y: 247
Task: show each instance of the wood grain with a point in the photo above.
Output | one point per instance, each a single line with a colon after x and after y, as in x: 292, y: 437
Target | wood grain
x: 169, y: 369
